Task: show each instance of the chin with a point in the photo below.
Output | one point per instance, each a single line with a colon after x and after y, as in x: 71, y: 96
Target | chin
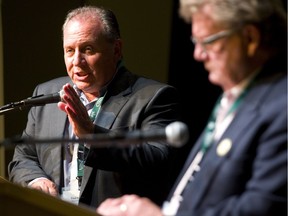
x: 213, y: 79
x: 216, y: 80
x: 81, y: 85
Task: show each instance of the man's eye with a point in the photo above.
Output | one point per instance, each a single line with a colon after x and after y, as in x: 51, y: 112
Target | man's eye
x: 88, y: 49
x: 69, y: 51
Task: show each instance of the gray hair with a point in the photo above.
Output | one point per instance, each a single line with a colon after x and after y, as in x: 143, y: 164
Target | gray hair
x: 269, y: 16
x: 90, y: 13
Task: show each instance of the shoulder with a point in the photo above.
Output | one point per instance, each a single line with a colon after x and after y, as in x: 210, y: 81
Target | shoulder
x: 53, y: 85
x: 138, y: 84
x: 57, y: 81
x: 144, y: 81
x: 269, y: 97
x: 152, y: 85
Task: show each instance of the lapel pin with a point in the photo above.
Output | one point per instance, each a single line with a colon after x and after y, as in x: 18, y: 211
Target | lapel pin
x: 224, y: 147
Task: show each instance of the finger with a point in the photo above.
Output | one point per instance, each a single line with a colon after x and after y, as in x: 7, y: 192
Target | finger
x: 71, y: 93
x: 111, y: 210
x: 52, y: 188
x: 130, y: 198
x: 52, y: 191
x: 76, y: 107
x: 41, y: 187
x: 111, y: 202
x: 61, y: 106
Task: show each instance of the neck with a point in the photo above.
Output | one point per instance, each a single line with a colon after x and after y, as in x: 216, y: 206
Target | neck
x: 92, y: 96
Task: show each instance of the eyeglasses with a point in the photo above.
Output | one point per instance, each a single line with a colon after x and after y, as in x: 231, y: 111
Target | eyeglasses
x: 206, y: 43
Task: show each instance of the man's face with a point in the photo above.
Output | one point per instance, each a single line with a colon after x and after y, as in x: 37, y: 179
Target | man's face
x: 223, y: 51
x: 90, y: 59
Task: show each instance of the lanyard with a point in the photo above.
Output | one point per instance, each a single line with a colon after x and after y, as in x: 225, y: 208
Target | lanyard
x: 96, y: 109
x: 210, y: 127
x: 82, y: 150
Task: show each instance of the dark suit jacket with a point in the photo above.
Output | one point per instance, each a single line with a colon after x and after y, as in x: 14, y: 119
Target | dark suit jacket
x: 131, y: 103
x: 251, y: 178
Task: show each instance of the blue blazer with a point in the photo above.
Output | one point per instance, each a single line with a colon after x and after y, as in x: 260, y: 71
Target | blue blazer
x: 251, y: 177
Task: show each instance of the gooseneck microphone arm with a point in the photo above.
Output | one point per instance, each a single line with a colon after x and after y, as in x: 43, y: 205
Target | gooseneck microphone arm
x: 176, y: 134
x: 39, y: 100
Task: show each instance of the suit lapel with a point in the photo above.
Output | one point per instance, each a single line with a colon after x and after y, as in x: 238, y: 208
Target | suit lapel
x: 118, y: 93
x: 110, y: 110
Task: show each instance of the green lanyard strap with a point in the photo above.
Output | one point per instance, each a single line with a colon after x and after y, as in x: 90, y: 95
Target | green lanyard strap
x: 82, y: 150
x: 210, y: 128
x: 96, y: 109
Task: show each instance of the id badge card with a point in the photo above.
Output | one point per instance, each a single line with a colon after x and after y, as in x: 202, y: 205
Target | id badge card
x: 71, y: 196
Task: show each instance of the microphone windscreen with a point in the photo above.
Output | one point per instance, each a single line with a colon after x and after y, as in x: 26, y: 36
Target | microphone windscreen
x: 177, y: 134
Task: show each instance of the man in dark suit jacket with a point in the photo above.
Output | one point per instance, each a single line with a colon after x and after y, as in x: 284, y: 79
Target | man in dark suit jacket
x: 93, y: 58
x: 238, y: 166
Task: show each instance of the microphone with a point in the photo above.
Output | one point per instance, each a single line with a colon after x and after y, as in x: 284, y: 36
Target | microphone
x: 41, y: 100
x: 176, y: 134
x: 38, y: 100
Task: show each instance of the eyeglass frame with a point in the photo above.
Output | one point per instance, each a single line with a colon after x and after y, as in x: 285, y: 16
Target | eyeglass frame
x: 212, y: 38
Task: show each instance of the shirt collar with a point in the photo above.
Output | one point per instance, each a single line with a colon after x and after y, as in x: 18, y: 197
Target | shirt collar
x: 239, y: 88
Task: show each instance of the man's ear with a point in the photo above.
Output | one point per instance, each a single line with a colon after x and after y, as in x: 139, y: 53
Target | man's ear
x: 253, y: 39
x: 118, y: 49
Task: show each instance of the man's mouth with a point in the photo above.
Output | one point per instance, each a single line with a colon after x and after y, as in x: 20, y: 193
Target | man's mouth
x: 81, y: 75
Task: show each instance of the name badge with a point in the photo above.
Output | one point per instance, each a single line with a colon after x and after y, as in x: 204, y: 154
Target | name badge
x: 71, y: 196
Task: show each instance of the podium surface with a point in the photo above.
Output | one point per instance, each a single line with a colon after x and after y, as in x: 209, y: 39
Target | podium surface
x: 18, y: 200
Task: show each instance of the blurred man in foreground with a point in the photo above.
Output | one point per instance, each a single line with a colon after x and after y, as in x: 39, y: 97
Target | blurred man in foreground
x: 238, y: 166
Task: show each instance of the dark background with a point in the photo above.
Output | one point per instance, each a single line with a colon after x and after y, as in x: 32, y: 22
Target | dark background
x: 157, y: 44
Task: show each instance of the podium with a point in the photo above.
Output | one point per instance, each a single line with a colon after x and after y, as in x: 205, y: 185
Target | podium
x: 18, y: 200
